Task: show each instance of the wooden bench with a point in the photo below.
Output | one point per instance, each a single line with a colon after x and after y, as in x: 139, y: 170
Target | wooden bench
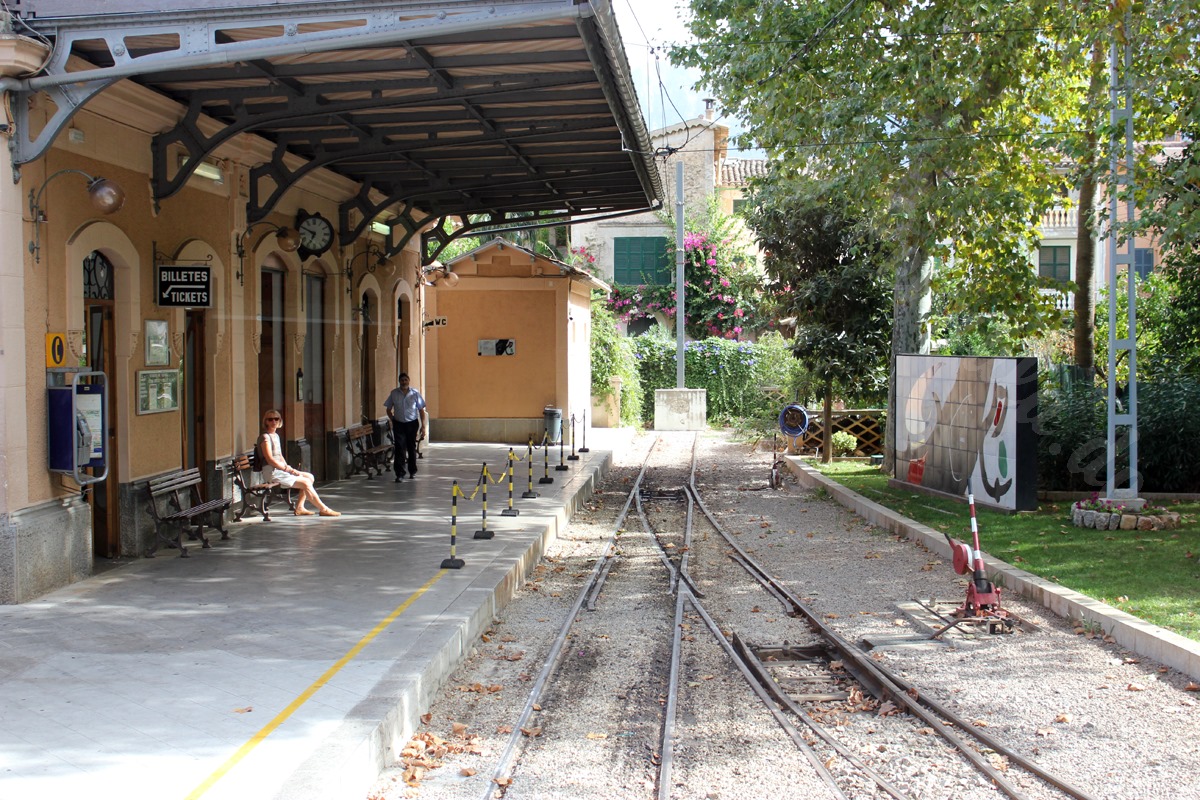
x: 365, y: 455
x: 182, y: 508
x: 256, y: 491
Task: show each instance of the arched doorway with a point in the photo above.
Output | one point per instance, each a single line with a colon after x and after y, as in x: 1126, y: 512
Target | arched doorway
x: 99, y: 290
x: 366, y: 367
x: 313, y: 394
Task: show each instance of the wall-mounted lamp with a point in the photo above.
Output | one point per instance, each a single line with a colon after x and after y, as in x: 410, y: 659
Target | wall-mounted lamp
x: 362, y: 309
x: 372, y: 252
x: 287, y: 239
x: 205, y: 169
x: 107, y: 198
x: 439, y: 275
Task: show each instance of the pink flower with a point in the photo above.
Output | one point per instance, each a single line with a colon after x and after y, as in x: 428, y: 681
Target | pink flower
x: 712, y: 262
x: 737, y: 312
x: 725, y: 282
x: 737, y: 329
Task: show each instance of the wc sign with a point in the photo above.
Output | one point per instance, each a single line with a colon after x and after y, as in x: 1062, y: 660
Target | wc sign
x: 183, y: 285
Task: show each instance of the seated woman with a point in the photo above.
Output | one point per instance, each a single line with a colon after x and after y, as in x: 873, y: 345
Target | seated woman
x: 271, y: 453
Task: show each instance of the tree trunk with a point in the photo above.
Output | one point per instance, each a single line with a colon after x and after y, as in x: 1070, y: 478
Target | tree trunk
x: 911, y: 304
x: 827, y: 425
x: 1085, y: 237
x: 1085, y: 274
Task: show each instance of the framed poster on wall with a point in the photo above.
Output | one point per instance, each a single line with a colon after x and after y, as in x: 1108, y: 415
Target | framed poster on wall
x: 158, y: 354
x: 157, y: 391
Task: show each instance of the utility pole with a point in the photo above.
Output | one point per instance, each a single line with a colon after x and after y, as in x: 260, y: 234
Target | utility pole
x: 1121, y: 102
x: 679, y: 306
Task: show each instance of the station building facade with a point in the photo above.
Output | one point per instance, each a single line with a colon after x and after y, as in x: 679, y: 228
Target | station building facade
x: 283, y: 264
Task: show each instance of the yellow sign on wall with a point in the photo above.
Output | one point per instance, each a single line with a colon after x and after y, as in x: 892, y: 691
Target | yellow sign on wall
x: 56, y: 349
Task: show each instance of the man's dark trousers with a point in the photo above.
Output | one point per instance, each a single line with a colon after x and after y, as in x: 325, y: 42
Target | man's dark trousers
x: 405, y: 436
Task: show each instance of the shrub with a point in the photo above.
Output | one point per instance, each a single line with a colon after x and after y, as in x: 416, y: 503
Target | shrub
x: 843, y: 443
x: 1073, y: 425
x: 613, y: 355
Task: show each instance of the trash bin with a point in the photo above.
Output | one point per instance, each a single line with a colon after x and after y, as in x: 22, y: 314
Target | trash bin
x: 553, y: 420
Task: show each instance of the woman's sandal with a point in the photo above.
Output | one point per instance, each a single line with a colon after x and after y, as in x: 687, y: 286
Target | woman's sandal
x: 329, y: 512
x: 304, y: 512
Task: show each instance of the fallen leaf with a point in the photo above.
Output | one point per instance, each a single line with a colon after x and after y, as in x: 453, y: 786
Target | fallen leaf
x: 426, y: 718
x: 466, y: 772
x: 458, y: 728
x: 245, y: 710
x: 1045, y: 732
x: 537, y: 707
x: 502, y: 782
x: 531, y: 732
x: 597, y: 736
x: 1136, y: 687
x: 979, y: 723
x: 504, y: 729
x: 1064, y: 717
x: 1192, y: 687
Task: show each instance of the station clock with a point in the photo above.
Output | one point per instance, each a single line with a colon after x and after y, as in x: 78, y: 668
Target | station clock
x: 316, y: 234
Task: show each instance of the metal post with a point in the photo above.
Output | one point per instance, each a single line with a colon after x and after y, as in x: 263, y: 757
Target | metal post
x: 562, y: 439
x: 484, y: 479
x: 453, y: 562
x: 510, y: 511
x: 679, y: 304
x: 572, y: 457
x: 1121, y: 101
x: 529, y: 493
x: 584, y: 449
x: 545, y: 461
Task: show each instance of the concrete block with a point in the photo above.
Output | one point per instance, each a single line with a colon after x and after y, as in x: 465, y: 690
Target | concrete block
x: 680, y: 409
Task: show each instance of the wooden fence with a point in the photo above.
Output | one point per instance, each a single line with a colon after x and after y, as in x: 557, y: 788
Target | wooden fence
x: 864, y: 424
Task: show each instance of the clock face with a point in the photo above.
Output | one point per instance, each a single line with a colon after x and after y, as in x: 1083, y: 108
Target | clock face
x: 316, y: 234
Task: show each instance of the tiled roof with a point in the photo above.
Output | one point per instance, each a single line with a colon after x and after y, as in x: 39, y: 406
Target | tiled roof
x: 738, y: 171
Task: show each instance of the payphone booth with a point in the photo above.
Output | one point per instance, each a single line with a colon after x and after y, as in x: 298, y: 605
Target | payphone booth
x: 78, y: 418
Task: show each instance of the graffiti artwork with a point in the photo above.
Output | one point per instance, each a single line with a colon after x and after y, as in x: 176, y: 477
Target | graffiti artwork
x: 968, y: 421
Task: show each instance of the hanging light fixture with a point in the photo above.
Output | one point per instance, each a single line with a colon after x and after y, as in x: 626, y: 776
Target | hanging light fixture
x: 380, y: 260
x: 287, y: 239
x: 106, y: 196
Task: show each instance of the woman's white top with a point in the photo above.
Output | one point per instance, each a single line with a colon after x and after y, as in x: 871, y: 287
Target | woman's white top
x: 285, y: 478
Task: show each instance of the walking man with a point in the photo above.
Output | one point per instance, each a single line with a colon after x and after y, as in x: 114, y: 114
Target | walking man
x: 406, y: 409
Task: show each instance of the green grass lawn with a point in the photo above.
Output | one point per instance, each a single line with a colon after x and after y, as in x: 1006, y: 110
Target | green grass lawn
x: 1154, y: 575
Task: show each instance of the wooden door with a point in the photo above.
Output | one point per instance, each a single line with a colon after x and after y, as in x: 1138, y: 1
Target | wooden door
x: 100, y: 341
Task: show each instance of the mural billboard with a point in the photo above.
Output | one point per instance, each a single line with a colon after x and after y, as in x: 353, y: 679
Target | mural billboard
x: 968, y: 421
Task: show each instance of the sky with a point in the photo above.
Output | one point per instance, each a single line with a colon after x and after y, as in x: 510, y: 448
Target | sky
x: 648, y: 29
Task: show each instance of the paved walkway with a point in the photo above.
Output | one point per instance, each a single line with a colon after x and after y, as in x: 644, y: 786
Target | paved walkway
x: 283, y: 663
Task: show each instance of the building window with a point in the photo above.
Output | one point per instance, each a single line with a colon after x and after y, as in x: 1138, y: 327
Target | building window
x: 1055, y: 263
x: 738, y: 205
x: 1143, y: 262
x: 641, y: 259
x: 97, y: 277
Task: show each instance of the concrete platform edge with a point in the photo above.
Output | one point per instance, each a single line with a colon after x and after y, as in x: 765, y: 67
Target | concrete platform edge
x: 1162, y: 645
x: 372, y: 738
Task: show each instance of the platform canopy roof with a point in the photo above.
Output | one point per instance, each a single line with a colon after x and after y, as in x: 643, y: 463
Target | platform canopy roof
x: 498, y: 113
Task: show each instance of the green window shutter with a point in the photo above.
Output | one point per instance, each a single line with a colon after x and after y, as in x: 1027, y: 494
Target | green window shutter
x: 641, y: 259
x: 1055, y: 263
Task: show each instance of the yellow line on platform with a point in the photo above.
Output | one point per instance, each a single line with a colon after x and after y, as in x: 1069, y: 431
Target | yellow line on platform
x: 304, y: 696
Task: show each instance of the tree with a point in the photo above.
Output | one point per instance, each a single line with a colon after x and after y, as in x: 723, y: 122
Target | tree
x: 926, y: 115
x: 833, y: 275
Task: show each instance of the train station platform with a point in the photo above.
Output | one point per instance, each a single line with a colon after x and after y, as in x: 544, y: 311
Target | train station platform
x: 284, y: 662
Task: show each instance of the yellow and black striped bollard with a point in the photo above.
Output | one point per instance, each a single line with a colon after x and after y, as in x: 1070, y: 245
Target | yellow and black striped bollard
x: 453, y: 562
x: 529, y: 493
x: 572, y: 457
x: 484, y: 479
x: 510, y: 511
x: 545, y: 461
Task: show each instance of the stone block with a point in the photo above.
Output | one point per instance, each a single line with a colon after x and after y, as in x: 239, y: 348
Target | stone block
x: 1089, y: 519
x: 1128, y: 522
x: 680, y: 409
x: 1145, y: 524
x: 1114, y: 521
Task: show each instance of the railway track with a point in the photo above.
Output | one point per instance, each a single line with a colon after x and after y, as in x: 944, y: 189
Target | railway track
x: 670, y: 564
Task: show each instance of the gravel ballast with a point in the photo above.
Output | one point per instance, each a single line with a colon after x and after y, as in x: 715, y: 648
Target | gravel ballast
x: 1112, y: 723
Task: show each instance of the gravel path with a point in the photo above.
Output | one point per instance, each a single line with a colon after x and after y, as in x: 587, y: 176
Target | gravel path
x: 1113, y: 724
